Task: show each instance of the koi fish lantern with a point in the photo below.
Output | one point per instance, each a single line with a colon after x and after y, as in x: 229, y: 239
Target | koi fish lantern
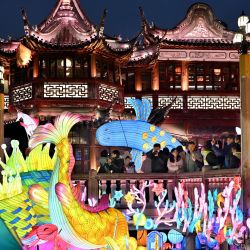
x: 136, y: 134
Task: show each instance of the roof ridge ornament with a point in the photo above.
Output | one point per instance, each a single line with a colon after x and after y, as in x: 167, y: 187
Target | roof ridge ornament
x: 102, y: 23
x: 25, y: 22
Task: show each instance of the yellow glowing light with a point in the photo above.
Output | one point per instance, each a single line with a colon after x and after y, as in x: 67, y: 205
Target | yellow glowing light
x: 145, y: 146
x: 173, y: 140
x: 163, y: 144
x: 23, y: 56
x: 129, y: 198
x: 145, y: 136
x: 152, y: 128
x: 142, y: 219
x: 154, y: 139
x: 162, y: 133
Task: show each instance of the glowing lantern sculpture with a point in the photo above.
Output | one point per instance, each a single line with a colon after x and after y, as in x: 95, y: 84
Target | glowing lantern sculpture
x: 136, y: 134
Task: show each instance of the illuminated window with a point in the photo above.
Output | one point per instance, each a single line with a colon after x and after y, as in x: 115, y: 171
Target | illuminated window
x: 170, y: 75
x: 69, y: 67
x: 217, y: 72
x: 43, y: 68
x: 60, y: 68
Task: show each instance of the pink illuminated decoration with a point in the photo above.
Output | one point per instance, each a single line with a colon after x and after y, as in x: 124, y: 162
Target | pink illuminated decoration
x: 215, y: 224
x: 40, y: 235
x: 158, y: 188
x: 29, y: 123
x: 139, y: 196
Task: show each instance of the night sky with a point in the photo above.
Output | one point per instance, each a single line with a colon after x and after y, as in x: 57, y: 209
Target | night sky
x: 123, y: 15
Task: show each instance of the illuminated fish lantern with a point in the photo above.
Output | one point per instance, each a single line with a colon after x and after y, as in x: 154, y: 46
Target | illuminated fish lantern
x: 136, y: 134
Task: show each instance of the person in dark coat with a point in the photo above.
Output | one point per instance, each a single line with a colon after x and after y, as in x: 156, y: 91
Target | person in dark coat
x: 194, y: 159
x: 157, y: 157
x: 210, y: 159
x: 235, y: 159
x: 117, y: 162
x: 106, y: 167
x: 226, y: 151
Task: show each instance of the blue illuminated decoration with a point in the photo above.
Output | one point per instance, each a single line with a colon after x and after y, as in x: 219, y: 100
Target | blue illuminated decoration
x: 118, y: 195
x: 164, y: 237
x: 175, y: 237
x: 136, y: 134
x: 154, y: 241
x: 149, y: 224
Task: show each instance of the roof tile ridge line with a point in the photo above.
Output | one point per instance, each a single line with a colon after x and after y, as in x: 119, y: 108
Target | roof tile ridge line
x: 56, y: 9
x: 82, y: 13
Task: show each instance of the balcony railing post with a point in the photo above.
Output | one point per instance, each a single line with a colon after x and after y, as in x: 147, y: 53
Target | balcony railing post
x: 93, y: 188
x: 185, y: 102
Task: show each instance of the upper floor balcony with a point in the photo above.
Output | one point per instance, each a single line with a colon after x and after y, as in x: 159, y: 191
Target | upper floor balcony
x: 89, y: 93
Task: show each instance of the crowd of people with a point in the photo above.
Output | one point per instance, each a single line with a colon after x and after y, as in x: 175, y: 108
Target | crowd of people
x: 215, y: 154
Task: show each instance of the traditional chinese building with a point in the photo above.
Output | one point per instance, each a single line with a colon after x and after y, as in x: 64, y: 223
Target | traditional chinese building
x: 69, y: 63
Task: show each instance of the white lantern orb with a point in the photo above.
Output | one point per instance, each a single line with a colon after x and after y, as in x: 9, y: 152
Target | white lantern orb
x: 238, y: 130
x: 247, y: 28
x: 238, y: 38
x: 243, y: 20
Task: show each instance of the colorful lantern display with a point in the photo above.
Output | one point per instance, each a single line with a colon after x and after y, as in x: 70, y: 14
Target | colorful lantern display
x: 136, y: 134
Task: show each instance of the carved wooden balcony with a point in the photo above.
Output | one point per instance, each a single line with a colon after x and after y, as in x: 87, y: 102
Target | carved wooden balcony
x: 89, y: 93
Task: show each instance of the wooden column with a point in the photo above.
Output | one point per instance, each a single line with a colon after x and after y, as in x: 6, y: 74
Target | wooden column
x: 184, y: 76
x: 93, y: 189
x: 245, y: 128
x: 138, y: 82
x: 92, y: 151
x: 1, y: 109
x: 155, y: 85
x: 35, y: 67
x: 93, y: 65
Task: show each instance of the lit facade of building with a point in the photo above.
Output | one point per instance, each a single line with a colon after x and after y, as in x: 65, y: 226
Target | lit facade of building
x: 68, y: 63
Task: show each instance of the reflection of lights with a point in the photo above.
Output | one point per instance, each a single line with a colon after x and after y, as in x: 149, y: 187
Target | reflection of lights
x: 217, y: 72
x: 238, y: 130
x: 68, y: 63
x: 1, y: 74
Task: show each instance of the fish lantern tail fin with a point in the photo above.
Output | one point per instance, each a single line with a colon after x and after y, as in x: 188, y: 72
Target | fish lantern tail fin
x: 49, y: 133
x: 142, y: 108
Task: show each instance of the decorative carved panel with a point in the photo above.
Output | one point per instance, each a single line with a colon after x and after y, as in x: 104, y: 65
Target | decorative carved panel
x: 167, y: 100
x: 213, y: 102
x: 199, y: 55
x: 108, y: 93
x: 207, y: 55
x: 65, y: 90
x: 6, y: 101
x: 22, y: 93
x: 173, y: 54
x: 126, y: 104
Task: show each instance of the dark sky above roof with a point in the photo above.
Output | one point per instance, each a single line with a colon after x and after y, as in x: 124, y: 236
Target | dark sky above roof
x: 123, y: 16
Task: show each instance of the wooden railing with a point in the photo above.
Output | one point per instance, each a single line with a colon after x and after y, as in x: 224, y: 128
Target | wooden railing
x: 97, y: 184
x: 51, y: 91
